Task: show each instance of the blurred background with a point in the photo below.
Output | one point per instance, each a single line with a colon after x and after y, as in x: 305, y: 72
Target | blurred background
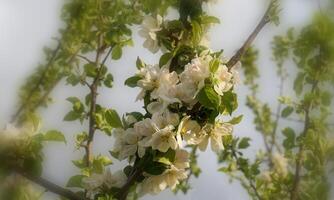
x: 26, y: 26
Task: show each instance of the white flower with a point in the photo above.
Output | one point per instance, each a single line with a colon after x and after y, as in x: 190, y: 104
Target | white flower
x: 127, y: 143
x: 222, y: 80
x: 164, y: 139
x: 93, y: 182
x: 165, y: 118
x: 280, y: 164
x: 149, y: 30
x: 191, y: 132
x: 198, y: 70
x: 170, y: 178
x: 186, y: 92
x: 149, y: 74
x: 144, y: 128
x: 215, y: 135
x: 152, y: 185
x: 166, y: 86
x: 173, y: 176
x: 118, y: 179
x: 181, y: 159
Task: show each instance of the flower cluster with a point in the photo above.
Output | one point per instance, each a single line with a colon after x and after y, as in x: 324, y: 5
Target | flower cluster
x: 183, y: 95
x: 173, y: 106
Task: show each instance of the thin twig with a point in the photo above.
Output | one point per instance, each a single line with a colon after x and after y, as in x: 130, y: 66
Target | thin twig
x: 85, y: 58
x: 240, y: 53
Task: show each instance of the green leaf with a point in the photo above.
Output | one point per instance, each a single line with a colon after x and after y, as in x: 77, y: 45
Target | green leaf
x: 209, y: 98
x: 79, y: 164
x: 73, y: 80
x: 229, y: 102
x: 286, y: 112
x: 90, y: 70
x: 75, y: 181
x: 139, y: 63
x: 205, y: 19
x: 113, y: 118
x: 165, y: 58
x: 166, y: 158
x: 132, y: 81
x: 214, y: 64
x: 99, y: 164
x: 72, y: 116
x: 116, y: 52
x: 155, y: 168
x: 244, y: 143
x: 108, y: 81
x: 236, y: 120
x: 290, y: 136
x: 54, y: 135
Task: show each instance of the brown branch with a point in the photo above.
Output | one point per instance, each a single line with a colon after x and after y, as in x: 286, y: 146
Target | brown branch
x: 240, y: 53
x: 299, y: 159
x: 50, y: 186
x: 39, y: 82
x: 92, y: 110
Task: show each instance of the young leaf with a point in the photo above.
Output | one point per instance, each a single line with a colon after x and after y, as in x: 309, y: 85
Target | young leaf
x: 132, y: 81
x: 165, y: 58
x: 75, y: 181
x: 108, y: 81
x: 209, y: 98
x: 139, y: 63
x: 113, y: 118
x: 116, y: 52
x: 90, y: 70
x: 244, y: 143
x: 72, y: 116
x: 286, y: 112
x: 54, y: 135
x: 236, y: 120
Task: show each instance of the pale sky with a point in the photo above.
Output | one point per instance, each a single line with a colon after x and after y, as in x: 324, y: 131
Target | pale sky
x: 28, y: 25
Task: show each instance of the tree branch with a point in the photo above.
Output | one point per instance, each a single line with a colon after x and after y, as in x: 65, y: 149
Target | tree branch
x: 299, y: 159
x: 240, y: 53
x: 92, y: 110
x: 124, y: 191
x: 50, y: 186
x: 39, y: 82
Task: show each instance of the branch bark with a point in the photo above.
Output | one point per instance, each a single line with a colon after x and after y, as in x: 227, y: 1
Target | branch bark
x: 93, y: 92
x: 241, y: 52
x: 49, y: 185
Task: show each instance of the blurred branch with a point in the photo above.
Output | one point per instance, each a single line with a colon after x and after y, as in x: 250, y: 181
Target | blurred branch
x: 299, y: 159
x: 50, y: 186
x: 39, y: 82
x: 264, y: 21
